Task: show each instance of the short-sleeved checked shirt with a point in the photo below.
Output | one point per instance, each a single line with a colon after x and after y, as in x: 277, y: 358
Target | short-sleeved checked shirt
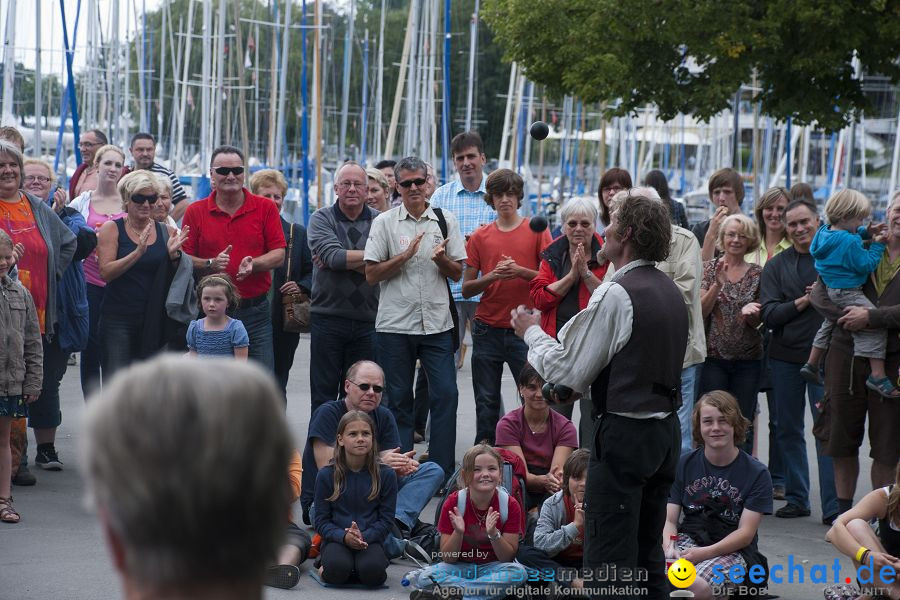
x: 415, y: 301
x: 470, y: 210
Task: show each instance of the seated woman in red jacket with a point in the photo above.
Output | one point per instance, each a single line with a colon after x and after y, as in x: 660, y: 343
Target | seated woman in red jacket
x: 568, y: 275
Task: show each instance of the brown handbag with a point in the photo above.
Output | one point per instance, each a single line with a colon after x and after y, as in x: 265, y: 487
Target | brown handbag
x: 294, y: 307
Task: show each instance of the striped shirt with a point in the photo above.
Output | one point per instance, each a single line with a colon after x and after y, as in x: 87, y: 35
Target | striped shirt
x: 178, y: 193
x: 470, y: 210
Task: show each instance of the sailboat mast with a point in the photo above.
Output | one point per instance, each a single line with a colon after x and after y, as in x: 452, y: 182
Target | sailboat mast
x: 345, y: 91
x: 282, y: 83
x: 220, y: 76
x: 9, y: 65
x: 36, y: 149
x: 473, y: 45
x: 379, y: 83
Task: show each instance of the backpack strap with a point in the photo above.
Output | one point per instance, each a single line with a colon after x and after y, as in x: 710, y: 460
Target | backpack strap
x: 442, y: 222
x: 502, y: 496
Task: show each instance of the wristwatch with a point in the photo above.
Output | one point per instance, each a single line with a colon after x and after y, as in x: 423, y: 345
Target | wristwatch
x: 495, y: 537
x: 209, y: 263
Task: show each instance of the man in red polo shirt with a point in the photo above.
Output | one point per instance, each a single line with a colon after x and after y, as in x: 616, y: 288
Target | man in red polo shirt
x: 236, y: 232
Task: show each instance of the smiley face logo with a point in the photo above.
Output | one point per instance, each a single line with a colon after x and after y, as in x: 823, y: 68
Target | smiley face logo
x: 682, y: 573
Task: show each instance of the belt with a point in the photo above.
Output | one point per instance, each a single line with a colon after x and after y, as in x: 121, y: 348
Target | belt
x: 251, y: 302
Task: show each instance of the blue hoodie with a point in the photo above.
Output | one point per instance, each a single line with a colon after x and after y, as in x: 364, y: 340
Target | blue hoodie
x: 841, y: 259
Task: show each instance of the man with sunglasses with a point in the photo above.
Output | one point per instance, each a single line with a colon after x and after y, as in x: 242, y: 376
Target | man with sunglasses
x: 236, y: 232
x: 416, y: 482
x: 343, y: 305
x: 412, y: 250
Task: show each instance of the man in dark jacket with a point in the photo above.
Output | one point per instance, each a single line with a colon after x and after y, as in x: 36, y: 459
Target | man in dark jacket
x: 784, y: 295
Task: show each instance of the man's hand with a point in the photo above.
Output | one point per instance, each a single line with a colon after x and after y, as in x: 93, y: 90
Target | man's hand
x: 716, y: 221
x: 289, y: 287
x: 440, y: 251
x: 523, y: 318
x: 29, y: 398
x: 414, y: 247
x: 220, y: 262
x: 855, y: 318
x: 401, y: 462
x: 245, y: 268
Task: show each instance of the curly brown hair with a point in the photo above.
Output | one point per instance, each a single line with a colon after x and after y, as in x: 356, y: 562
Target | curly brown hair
x: 726, y: 404
x: 646, y: 222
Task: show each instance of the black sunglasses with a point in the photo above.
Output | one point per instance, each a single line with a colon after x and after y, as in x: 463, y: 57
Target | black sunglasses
x: 408, y: 183
x: 225, y: 171
x: 141, y: 198
x: 366, y: 386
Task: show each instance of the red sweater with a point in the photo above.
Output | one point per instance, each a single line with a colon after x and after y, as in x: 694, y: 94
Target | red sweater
x: 550, y: 271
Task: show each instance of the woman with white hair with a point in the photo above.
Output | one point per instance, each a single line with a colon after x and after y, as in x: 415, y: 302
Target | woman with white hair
x: 133, y: 250
x: 378, y: 191
x: 568, y: 275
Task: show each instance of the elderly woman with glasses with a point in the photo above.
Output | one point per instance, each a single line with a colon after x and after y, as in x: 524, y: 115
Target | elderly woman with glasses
x: 568, y: 275
x: 43, y: 249
x: 729, y: 298
x: 134, y: 253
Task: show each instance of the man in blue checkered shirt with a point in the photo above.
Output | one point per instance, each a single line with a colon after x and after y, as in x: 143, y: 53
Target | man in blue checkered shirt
x: 464, y: 197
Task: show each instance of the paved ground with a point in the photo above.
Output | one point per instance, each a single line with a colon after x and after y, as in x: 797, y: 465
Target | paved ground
x: 57, y: 550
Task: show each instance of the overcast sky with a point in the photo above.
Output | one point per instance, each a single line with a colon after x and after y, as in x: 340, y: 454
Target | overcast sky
x: 52, y: 47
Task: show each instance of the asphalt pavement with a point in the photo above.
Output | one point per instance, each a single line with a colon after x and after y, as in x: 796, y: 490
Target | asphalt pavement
x: 57, y: 551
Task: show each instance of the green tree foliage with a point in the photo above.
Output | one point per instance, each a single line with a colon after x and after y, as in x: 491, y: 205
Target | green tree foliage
x: 691, y: 56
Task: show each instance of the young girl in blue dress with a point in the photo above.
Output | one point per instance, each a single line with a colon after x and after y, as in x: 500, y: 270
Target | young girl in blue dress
x: 217, y: 334
x: 355, y: 500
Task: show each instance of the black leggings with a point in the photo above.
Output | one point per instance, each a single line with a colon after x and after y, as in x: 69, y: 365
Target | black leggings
x: 341, y: 564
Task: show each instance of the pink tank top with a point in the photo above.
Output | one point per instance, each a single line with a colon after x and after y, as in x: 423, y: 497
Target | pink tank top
x: 91, y: 264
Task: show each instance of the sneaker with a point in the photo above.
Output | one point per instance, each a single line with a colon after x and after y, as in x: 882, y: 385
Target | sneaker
x: 830, y: 519
x: 792, y: 511
x: 24, y: 477
x: 282, y: 576
x: 46, y: 458
x: 416, y: 553
x: 810, y: 374
x: 71, y: 361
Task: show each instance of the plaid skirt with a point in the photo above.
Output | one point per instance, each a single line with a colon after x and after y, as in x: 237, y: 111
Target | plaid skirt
x: 705, y: 568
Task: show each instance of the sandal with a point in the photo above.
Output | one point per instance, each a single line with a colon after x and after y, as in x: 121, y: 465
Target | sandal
x: 883, y: 386
x: 8, y: 512
x: 282, y: 576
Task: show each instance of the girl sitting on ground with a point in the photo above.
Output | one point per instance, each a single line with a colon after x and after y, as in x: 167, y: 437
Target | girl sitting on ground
x: 542, y: 437
x: 559, y: 535
x: 852, y: 535
x: 480, y: 528
x: 723, y: 493
x: 217, y: 334
x: 355, y: 500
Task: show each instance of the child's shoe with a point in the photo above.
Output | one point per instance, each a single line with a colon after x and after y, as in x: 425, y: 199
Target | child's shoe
x: 810, y: 374
x: 883, y: 386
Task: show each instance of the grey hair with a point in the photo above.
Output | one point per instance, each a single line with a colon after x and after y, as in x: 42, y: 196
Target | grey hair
x: 165, y: 184
x: 186, y: 460
x: 579, y: 206
x: 413, y: 164
x: 136, y: 181
x: 355, y: 367
x: 646, y: 191
x: 5, y: 240
x: 12, y: 150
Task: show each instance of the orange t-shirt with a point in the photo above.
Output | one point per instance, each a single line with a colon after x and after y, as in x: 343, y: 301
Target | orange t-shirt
x: 486, y: 248
x: 18, y: 221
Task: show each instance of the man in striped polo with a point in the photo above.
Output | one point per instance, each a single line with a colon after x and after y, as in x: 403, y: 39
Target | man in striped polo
x: 143, y: 151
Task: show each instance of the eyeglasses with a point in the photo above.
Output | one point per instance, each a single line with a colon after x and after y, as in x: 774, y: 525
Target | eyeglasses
x: 409, y: 182
x: 367, y: 386
x: 574, y: 224
x: 88, y: 144
x: 226, y: 171
x: 41, y: 178
x: 731, y: 235
x: 613, y: 189
x: 141, y: 198
x: 349, y: 185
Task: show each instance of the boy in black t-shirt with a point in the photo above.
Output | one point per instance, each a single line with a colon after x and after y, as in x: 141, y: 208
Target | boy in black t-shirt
x: 723, y: 493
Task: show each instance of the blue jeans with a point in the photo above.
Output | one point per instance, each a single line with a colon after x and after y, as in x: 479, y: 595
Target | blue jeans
x: 739, y: 378
x: 776, y: 456
x: 90, y: 356
x: 335, y: 343
x: 690, y: 381
x: 488, y: 581
x: 789, y: 388
x: 400, y: 351
x: 491, y: 347
x: 257, y: 321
